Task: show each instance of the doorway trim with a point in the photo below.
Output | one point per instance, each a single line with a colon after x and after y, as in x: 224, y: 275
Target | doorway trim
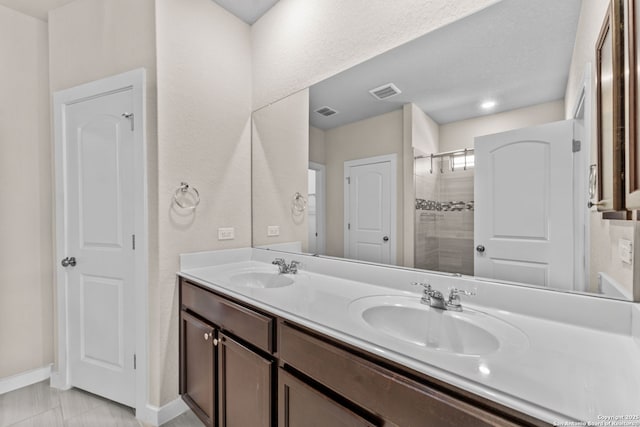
x: 582, y: 230
x: 393, y: 185
x: 136, y: 82
x: 321, y: 205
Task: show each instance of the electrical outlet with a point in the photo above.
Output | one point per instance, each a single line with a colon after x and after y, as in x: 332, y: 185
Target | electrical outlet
x: 226, y: 233
x: 625, y: 250
x: 273, y: 230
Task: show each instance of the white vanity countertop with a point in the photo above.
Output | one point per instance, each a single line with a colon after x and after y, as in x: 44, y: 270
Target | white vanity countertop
x: 566, y: 372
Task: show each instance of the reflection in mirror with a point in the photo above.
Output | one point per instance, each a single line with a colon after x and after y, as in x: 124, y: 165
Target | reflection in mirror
x: 451, y: 153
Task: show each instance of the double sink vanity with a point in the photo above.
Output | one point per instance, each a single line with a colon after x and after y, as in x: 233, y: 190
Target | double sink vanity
x: 323, y: 341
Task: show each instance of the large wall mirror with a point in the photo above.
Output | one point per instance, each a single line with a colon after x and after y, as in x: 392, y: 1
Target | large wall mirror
x: 456, y: 153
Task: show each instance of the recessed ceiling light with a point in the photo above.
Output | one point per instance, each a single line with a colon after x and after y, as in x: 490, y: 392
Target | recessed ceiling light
x: 488, y: 105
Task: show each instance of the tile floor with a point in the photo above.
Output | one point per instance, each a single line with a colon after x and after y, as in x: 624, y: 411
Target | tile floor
x: 39, y: 405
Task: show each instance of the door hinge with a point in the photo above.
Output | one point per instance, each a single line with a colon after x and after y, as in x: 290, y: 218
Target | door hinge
x: 576, y: 145
x: 130, y: 117
x: 134, y: 362
x: 349, y: 226
x: 348, y: 180
x: 133, y: 242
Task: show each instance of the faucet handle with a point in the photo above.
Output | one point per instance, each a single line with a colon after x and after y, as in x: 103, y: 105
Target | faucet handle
x: 293, y: 267
x: 278, y: 261
x: 454, y: 298
x: 426, y: 286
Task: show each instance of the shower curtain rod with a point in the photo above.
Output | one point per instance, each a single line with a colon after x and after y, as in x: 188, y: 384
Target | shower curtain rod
x: 445, y: 153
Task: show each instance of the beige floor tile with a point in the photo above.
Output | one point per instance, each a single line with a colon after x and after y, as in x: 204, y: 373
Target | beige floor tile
x: 109, y: 415
x: 75, y: 402
x: 27, y: 402
x: 188, y: 419
x: 51, y: 418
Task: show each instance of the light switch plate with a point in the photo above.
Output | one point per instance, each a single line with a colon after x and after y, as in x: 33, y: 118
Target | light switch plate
x: 226, y: 233
x: 273, y: 230
x: 625, y: 250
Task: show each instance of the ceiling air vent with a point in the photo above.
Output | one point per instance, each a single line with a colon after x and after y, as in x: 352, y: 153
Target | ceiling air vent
x: 385, y: 91
x: 326, y: 111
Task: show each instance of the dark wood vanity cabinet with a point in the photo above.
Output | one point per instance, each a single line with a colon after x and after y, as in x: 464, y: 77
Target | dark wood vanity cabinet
x: 244, y: 385
x: 226, y: 380
x: 301, y: 405
x: 232, y: 373
x: 198, y: 366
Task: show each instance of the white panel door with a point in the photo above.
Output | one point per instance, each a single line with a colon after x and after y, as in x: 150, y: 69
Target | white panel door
x: 369, y: 210
x: 98, y: 146
x: 523, y: 227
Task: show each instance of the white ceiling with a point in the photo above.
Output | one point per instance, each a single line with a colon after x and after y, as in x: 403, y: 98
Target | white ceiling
x: 247, y: 10
x: 36, y: 8
x: 516, y: 52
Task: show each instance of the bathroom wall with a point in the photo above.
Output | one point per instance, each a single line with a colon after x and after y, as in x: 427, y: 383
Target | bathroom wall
x: 605, y: 234
x: 317, y: 145
x: 26, y: 276
x: 421, y: 135
x: 459, y: 135
x: 280, y: 169
x: 198, y: 131
x: 204, y: 138
x: 94, y: 39
x: 376, y: 136
x: 299, y: 43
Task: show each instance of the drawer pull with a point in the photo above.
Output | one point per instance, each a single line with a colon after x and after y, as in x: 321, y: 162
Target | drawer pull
x: 206, y: 336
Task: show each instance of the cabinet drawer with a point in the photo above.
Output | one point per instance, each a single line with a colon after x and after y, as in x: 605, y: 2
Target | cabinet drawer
x: 251, y: 326
x: 395, y: 398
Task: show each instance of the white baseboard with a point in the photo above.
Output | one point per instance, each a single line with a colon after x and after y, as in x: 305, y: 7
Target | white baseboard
x: 159, y: 415
x: 24, y: 379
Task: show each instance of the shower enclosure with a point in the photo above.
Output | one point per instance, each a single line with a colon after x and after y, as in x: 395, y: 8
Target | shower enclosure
x: 443, y: 184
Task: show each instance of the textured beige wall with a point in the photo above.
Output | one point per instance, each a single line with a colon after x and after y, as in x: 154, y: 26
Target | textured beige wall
x: 300, y: 42
x: 371, y: 137
x: 94, y: 39
x: 316, y: 145
x: 204, y: 138
x: 421, y: 135
x: 605, y: 234
x: 425, y: 133
x: 280, y: 164
x: 26, y: 275
x: 459, y: 135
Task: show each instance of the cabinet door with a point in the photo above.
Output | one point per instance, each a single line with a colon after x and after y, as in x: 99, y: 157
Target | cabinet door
x: 245, y: 385
x: 300, y: 405
x: 198, y: 367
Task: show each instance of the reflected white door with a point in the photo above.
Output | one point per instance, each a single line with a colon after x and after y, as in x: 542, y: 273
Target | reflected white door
x: 369, y: 210
x: 98, y: 146
x: 523, y: 227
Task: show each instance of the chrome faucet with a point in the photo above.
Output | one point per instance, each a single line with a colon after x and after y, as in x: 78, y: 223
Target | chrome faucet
x: 283, y: 268
x: 454, y: 298
x: 434, y: 298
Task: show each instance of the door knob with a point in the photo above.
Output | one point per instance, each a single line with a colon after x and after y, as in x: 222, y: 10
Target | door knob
x: 385, y: 238
x: 68, y: 261
x: 480, y: 248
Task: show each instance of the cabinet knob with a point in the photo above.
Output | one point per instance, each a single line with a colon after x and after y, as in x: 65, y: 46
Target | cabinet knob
x: 215, y: 341
x: 206, y: 336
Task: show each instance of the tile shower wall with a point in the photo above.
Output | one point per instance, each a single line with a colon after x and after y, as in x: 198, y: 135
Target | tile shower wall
x: 443, y: 217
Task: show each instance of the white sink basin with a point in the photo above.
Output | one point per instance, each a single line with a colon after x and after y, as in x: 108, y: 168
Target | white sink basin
x: 469, y: 332
x: 261, y: 280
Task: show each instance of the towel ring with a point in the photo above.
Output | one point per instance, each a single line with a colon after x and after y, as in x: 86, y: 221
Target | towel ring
x: 182, y: 191
x: 299, y: 203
